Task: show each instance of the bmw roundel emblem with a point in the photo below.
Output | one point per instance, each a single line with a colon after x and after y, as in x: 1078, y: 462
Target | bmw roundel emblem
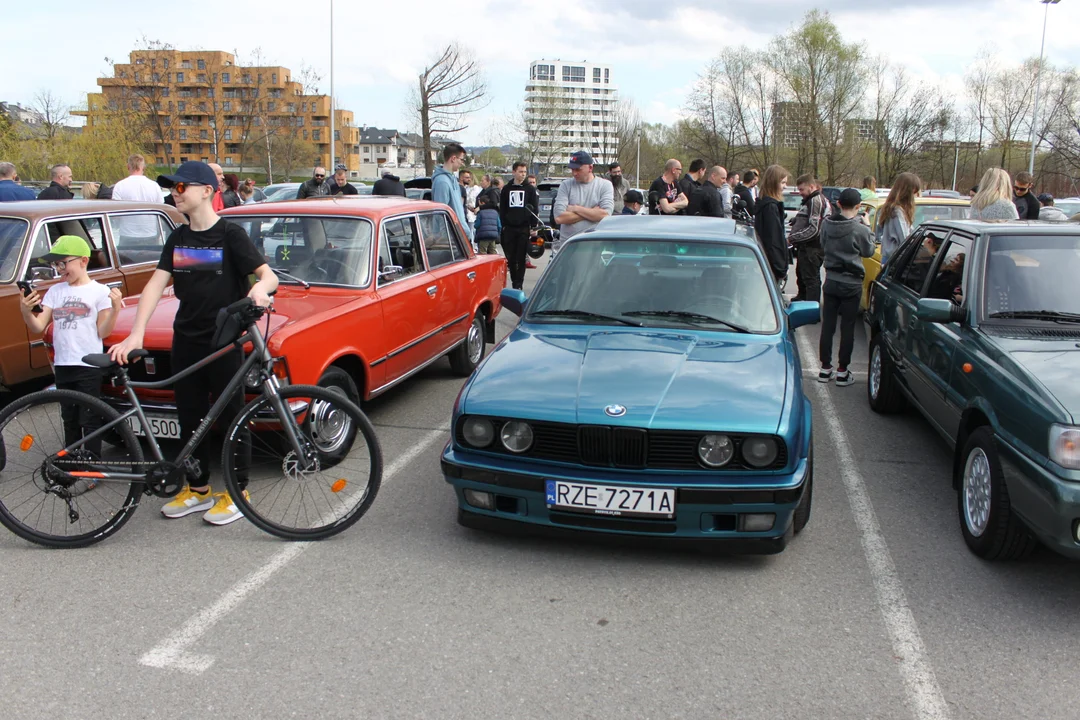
x: 615, y: 410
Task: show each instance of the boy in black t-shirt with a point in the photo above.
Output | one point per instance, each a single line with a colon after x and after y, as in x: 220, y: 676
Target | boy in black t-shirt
x: 209, y: 261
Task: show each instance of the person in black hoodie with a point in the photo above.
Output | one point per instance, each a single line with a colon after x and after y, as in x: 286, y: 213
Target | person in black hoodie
x: 61, y: 181
x: 769, y: 221
x: 845, y: 240
x: 388, y: 184
x: 517, y: 207
x: 706, y: 200
x: 749, y: 180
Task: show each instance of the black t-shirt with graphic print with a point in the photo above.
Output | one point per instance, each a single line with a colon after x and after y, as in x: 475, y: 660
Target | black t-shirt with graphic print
x: 518, y: 205
x: 210, y: 271
x: 661, y: 188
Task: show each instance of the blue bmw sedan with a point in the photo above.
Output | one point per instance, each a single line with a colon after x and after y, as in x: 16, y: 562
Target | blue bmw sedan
x: 651, y: 389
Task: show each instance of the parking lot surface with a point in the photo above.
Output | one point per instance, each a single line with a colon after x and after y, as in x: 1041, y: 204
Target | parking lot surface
x: 877, y: 610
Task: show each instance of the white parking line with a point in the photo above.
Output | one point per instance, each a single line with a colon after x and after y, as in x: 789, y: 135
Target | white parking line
x: 924, y: 694
x: 172, y: 654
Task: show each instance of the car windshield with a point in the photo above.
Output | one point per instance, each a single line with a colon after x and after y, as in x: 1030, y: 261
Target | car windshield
x: 1069, y: 207
x: 318, y: 250
x: 1032, y: 273
x: 12, y: 234
x: 792, y: 201
x: 657, y: 283
x: 281, y: 192
x: 929, y: 213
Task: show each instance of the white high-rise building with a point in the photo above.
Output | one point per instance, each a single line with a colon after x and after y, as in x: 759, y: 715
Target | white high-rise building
x: 570, y: 106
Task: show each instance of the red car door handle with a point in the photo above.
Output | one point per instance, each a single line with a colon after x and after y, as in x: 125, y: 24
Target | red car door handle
x: 471, y: 275
x: 432, y: 290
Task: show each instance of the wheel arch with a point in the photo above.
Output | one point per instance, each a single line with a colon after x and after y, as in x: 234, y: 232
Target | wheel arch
x: 355, y: 366
x: 971, y: 420
x: 487, y: 308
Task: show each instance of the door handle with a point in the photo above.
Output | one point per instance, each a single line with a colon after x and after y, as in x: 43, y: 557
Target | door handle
x: 471, y: 275
x: 432, y: 290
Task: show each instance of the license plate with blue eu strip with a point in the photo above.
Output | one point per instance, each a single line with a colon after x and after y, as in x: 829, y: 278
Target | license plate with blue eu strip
x: 614, y: 500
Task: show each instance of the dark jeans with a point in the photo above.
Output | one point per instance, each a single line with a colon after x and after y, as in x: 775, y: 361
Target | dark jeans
x: 193, y: 399
x: 78, y: 421
x: 809, y: 257
x: 515, y: 242
x: 840, y: 300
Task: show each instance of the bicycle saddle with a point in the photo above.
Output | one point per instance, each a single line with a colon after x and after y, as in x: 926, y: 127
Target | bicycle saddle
x: 104, y: 361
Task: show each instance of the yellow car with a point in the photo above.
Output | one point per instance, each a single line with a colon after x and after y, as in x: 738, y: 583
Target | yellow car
x: 926, y: 209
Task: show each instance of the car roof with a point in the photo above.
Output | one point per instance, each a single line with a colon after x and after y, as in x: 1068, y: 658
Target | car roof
x: 36, y: 209
x: 677, y: 227
x: 374, y: 206
x: 1009, y: 227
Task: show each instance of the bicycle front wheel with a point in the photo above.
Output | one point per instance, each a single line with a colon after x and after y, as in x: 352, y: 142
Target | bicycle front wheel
x: 40, y: 500
x: 303, y: 498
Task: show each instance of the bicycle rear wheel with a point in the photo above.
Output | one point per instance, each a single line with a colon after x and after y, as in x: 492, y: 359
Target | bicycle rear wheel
x: 288, y: 497
x: 39, y: 501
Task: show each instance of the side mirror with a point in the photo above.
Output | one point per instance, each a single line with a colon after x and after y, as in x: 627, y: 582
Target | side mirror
x: 40, y: 272
x: 514, y: 301
x: 803, y: 312
x: 937, y: 310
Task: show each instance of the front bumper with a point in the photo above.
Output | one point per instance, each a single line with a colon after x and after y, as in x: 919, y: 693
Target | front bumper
x: 707, y: 509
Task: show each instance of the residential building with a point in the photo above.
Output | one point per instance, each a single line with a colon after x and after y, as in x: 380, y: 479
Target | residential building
x: 864, y: 130
x: 201, y: 105
x: 570, y: 106
x: 19, y: 114
x: 792, y: 124
x: 938, y: 146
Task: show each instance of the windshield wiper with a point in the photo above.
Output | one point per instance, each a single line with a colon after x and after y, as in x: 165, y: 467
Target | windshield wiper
x: 1053, y: 315
x: 290, y: 276
x: 691, y: 317
x: 586, y: 313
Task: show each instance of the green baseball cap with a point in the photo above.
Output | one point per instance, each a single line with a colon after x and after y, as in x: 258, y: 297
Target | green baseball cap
x: 66, y: 246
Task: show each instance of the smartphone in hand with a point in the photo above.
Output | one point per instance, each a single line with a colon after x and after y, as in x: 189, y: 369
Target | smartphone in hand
x: 28, y: 288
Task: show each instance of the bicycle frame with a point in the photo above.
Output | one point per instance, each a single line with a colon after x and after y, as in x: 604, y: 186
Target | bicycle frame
x: 270, y: 389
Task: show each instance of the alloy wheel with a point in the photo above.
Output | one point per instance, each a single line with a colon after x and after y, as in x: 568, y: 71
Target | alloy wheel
x: 977, y: 492
x: 875, y: 373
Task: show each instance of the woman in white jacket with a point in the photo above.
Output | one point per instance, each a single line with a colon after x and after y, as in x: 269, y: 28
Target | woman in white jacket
x: 896, y: 216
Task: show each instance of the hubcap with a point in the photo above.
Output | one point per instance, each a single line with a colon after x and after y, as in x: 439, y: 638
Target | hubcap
x: 330, y: 425
x: 475, y: 342
x: 976, y: 492
x: 875, y: 372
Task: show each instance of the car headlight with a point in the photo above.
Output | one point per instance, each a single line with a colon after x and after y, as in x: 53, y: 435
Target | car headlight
x: 252, y: 379
x: 516, y: 436
x: 759, y: 451
x: 1065, y: 446
x: 715, y: 450
x: 479, y: 432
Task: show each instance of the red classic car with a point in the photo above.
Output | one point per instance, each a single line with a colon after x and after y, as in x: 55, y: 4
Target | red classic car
x: 372, y: 290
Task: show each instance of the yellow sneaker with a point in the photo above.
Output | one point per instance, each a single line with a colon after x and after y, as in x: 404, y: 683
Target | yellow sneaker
x: 224, y: 510
x: 186, y: 503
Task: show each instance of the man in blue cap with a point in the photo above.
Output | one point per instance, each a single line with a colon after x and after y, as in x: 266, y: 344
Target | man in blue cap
x: 209, y: 261
x: 582, y: 201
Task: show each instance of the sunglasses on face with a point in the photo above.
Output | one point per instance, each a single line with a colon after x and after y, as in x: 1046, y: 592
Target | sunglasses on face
x: 180, y: 187
x: 1020, y: 189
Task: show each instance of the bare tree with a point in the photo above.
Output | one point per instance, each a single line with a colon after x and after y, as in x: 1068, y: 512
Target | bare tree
x: 449, y: 89
x: 1012, y: 93
x: 904, y: 118
x: 52, y: 112
x: 977, y: 80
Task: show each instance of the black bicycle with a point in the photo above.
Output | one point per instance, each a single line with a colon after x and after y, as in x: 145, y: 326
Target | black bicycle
x: 307, y: 456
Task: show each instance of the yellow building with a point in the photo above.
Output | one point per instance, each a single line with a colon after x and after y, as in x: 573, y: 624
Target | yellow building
x: 201, y: 105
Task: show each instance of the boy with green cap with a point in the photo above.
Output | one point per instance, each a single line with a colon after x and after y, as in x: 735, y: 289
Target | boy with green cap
x: 83, y: 311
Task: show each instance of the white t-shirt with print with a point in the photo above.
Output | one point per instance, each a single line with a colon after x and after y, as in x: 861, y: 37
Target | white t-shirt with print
x: 75, y: 311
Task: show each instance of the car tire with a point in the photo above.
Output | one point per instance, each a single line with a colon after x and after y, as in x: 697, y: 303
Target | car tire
x: 337, y: 378
x: 882, y: 389
x: 468, y: 354
x: 990, y: 527
x: 802, y: 510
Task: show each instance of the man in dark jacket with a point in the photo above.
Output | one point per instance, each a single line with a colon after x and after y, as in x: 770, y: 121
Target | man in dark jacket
x: 690, y: 183
x: 706, y: 200
x: 1027, y: 205
x: 632, y: 202
x: 61, y: 181
x: 315, y: 187
x: 341, y: 184
x: 749, y: 180
x: 805, y: 236
x: 388, y: 184
x: 517, y: 207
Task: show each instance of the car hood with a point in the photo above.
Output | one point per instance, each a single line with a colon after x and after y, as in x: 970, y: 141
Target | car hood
x: 1052, y: 362
x: 664, y: 379
x: 292, y: 304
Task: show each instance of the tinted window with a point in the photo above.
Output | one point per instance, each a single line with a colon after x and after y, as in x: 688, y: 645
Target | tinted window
x: 399, y: 247
x: 139, y: 237
x: 440, y: 241
x: 331, y: 251
x: 949, y: 282
x: 12, y: 233
x: 1033, y: 272
x: 915, y: 265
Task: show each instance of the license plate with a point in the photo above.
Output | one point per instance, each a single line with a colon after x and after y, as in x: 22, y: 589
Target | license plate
x: 160, y: 427
x: 619, y: 501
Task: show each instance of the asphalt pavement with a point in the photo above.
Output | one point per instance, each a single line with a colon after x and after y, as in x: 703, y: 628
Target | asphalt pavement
x: 877, y: 610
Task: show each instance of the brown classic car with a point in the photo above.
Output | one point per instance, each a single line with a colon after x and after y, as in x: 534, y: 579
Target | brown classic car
x: 125, y: 239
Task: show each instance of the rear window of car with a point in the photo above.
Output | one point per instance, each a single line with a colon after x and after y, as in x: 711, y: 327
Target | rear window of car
x: 792, y: 202
x: 929, y: 213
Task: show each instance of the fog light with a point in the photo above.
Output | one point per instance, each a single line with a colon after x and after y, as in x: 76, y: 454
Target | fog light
x: 482, y: 500
x: 757, y: 522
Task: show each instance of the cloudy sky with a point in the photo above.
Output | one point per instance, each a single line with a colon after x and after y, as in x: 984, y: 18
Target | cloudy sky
x: 656, y: 49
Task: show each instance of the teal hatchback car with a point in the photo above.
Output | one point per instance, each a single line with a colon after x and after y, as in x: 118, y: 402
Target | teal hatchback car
x: 978, y: 326
x: 651, y: 389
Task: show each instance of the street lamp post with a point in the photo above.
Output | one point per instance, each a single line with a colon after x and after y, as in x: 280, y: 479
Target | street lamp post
x: 1038, y: 83
x: 332, y: 162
